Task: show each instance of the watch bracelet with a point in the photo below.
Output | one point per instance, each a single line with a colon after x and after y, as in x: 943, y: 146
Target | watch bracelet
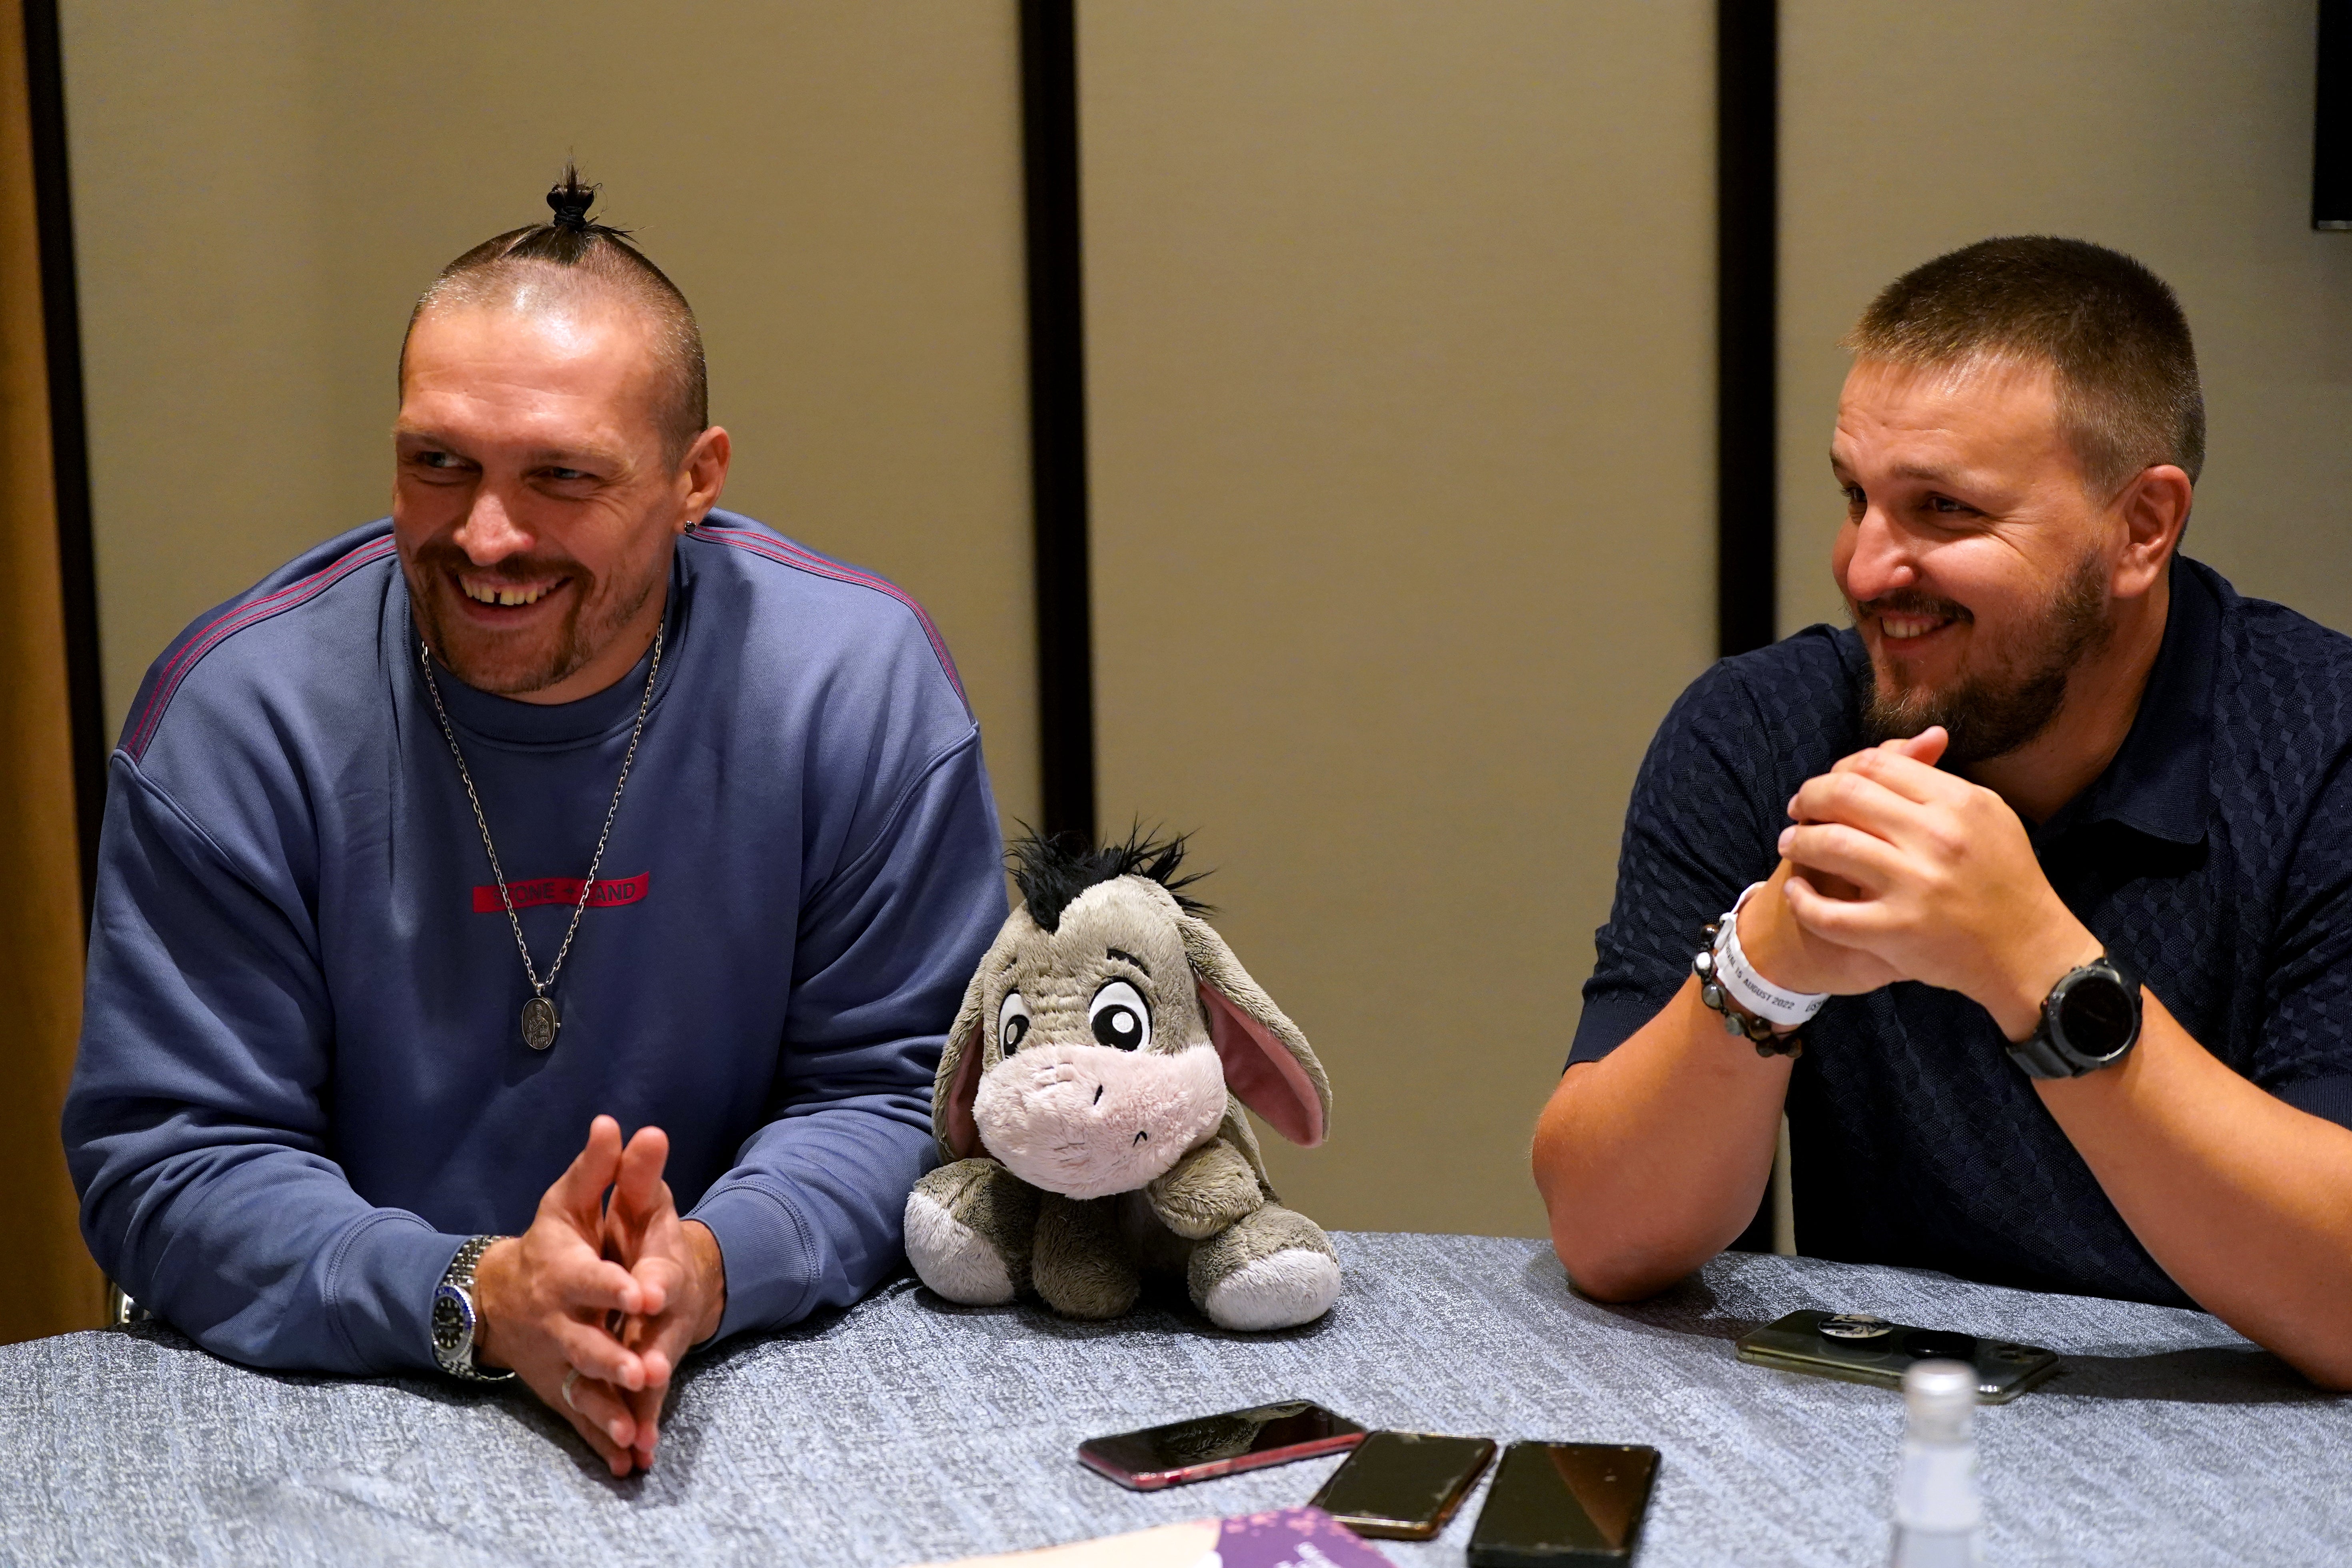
x: 2038, y: 1054
x: 1738, y: 1020
x: 2038, y: 1059
x: 460, y: 1274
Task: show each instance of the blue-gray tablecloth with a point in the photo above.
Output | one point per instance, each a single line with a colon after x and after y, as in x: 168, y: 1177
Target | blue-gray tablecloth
x: 906, y: 1429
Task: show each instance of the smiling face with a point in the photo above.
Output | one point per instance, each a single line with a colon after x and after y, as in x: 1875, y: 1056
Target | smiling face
x: 1096, y: 1070
x: 535, y: 506
x: 1975, y: 563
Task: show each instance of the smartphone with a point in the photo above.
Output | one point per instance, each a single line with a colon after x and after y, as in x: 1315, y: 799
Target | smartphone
x: 1209, y: 1445
x: 1564, y: 1503
x: 1404, y: 1486
x: 1860, y: 1348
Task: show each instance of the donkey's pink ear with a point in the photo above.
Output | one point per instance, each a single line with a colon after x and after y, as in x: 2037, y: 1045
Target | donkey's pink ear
x: 1267, y: 1063
x: 957, y: 1081
x: 952, y: 1094
x: 1261, y: 1072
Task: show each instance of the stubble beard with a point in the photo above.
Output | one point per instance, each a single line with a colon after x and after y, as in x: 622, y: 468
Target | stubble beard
x: 485, y: 660
x: 1992, y: 713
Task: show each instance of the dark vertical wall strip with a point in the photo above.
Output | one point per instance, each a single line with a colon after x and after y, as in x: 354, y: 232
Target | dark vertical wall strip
x: 70, y: 450
x: 1746, y: 164
x: 2331, y: 158
x: 1746, y: 351
x: 1057, y: 413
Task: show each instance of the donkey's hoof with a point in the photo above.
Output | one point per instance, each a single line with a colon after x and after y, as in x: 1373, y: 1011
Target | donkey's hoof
x: 951, y: 1257
x: 1291, y: 1286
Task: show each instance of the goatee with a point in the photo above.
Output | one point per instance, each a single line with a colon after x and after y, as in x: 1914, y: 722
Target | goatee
x: 487, y: 663
x: 1992, y: 712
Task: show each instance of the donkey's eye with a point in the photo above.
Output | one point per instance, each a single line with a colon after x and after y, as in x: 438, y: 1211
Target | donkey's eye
x: 1012, y: 1023
x: 1120, y: 1016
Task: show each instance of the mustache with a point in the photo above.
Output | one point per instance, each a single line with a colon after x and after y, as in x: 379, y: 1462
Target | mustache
x: 442, y: 556
x: 1911, y: 601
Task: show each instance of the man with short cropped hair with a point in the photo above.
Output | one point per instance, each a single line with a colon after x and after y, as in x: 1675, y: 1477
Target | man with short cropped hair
x: 557, y: 802
x: 2029, y: 899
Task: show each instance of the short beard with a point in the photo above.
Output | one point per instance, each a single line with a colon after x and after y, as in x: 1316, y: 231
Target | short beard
x: 586, y: 629
x: 1993, y: 714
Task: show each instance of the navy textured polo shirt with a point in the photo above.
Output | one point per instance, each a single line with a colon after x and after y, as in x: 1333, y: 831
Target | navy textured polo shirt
x: 2214, y: 856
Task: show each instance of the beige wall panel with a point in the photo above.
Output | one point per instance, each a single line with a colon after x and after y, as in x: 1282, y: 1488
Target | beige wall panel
x: 52, y: 1284
x: 263, y: 186
x: 1399, y: 325
x: 2178, y: 132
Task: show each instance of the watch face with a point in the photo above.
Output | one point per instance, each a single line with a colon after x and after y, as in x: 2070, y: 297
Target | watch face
x: 452, y: 1323
x: 2096, y: 1016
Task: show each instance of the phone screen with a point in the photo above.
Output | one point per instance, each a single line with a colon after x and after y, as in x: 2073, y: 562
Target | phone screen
x: 1403, y: 1486
x: 1564, y: 1503
x: 1219, y: 1445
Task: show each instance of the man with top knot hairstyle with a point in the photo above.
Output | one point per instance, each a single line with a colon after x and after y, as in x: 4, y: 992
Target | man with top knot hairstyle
x: 2029, y: 898
x: 557, y: 807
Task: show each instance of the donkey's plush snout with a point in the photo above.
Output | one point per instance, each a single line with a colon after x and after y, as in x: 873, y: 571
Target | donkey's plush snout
x: 1089, y: 1120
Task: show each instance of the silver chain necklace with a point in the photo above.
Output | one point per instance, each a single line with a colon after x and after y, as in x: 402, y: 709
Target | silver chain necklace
x: 540, y: 1020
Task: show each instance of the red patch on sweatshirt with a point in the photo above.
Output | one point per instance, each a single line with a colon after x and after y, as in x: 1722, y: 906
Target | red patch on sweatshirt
x: 562, y: 891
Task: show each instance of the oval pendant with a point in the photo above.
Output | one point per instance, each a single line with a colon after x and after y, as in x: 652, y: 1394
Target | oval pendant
x: 539, y: 1023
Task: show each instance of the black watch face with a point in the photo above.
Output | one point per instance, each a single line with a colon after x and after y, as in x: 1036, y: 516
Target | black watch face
x: 2095, y: 1015
x: 448, y: 1323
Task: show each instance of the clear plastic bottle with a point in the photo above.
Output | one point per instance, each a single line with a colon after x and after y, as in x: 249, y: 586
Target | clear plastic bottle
x: 1937, y: 1514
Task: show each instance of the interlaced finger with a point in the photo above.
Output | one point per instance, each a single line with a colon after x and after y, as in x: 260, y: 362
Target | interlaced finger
x: 646, y: 1409
x: 659, y: 1278
x: 1868, y: 862
x: 590, y: 1284
x: 661, y: 1343
x: 660, y: 1340
x: 1854, y: 923
x: 619, y: 1458
x: 579, y: 1193
x: 627, y: 1230
x: 1904, y: 774
x: 1857, y: 800
x: 604, y: 1407
x: 595, y: 1352
x: 638, y: 1186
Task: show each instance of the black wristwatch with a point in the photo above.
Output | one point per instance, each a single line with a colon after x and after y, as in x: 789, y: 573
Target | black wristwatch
x: 454, y: 1318
x: 2090, y: 1020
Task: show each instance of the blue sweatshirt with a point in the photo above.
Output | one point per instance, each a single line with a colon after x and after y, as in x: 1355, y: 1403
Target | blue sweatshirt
x: 302, y: 1081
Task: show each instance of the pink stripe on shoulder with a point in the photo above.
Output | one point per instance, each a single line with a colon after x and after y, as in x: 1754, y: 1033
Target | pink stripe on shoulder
x: 235, y: 619
x: 784, y: 553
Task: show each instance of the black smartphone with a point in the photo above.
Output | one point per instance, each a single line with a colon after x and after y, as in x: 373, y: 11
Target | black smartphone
x: 1860, y: 1348
x: 1555, y: 1503
x: 1404, y: 1486
x: 1219, y: 1445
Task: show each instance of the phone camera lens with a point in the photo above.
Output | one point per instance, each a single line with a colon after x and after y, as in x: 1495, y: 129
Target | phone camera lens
x: 1929, y: 1345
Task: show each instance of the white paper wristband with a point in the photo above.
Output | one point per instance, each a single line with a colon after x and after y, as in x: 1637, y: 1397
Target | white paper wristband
x: 1776, y: 1005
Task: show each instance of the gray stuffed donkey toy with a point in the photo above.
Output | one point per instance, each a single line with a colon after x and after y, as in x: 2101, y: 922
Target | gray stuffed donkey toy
x: 1089, y: 1105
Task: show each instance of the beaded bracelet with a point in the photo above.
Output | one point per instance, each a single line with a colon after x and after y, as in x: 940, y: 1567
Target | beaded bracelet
x: 1738, y: 1020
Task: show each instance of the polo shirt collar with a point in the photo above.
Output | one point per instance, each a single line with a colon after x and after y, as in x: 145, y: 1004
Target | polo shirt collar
x: 2158, y: 782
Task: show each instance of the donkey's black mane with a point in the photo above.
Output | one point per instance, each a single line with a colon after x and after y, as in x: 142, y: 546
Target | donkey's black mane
x: 1051, y: 870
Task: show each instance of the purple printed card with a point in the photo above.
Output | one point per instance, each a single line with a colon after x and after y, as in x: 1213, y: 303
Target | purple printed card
x: 1286, y: 1538
x: 1292, y: 1538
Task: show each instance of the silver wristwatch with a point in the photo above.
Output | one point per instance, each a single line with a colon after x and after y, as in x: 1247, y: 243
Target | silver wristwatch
x: 454, y: 1318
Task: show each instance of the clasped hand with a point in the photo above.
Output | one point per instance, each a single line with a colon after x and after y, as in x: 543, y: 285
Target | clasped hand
x: 615, y: 1294
x: 1894, y: 870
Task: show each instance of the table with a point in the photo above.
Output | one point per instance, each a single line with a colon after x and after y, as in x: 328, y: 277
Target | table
x: 907, y: 1428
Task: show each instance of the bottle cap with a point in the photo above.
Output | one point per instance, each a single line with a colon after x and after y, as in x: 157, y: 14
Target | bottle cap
x: 1942, y: 1397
